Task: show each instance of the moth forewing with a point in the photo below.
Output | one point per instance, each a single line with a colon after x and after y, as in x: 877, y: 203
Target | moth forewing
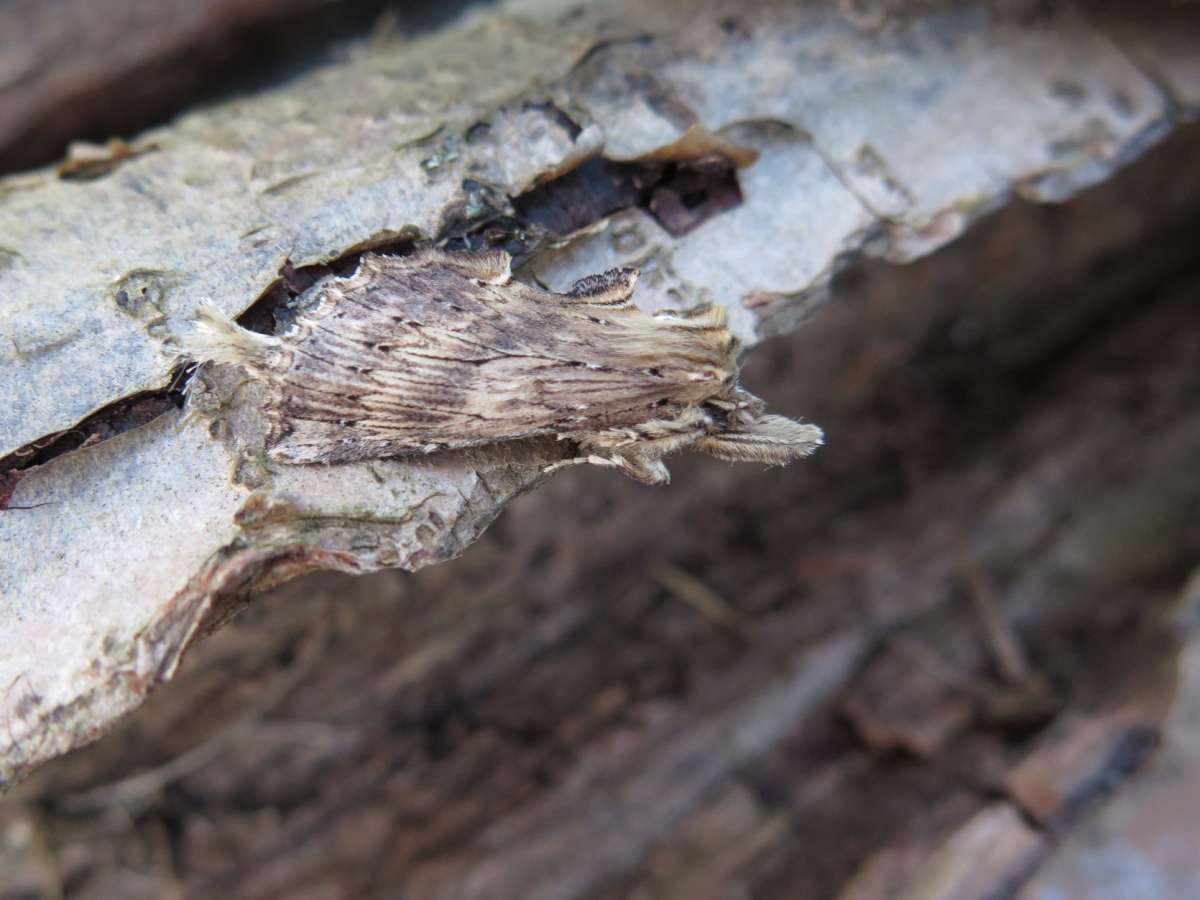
x: 433, y: 351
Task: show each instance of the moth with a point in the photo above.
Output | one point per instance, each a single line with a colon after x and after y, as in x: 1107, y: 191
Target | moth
x: 439, y: 351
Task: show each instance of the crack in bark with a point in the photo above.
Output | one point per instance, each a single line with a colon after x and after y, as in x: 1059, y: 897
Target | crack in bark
x: 108, y: 422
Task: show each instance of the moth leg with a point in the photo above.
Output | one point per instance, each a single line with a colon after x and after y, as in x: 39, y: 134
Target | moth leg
x: 648, y: 470
x: 591, y: 459
x: 638, y: 450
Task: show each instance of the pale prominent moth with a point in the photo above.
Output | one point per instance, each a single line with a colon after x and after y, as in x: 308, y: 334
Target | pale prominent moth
x: 439, y: 351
